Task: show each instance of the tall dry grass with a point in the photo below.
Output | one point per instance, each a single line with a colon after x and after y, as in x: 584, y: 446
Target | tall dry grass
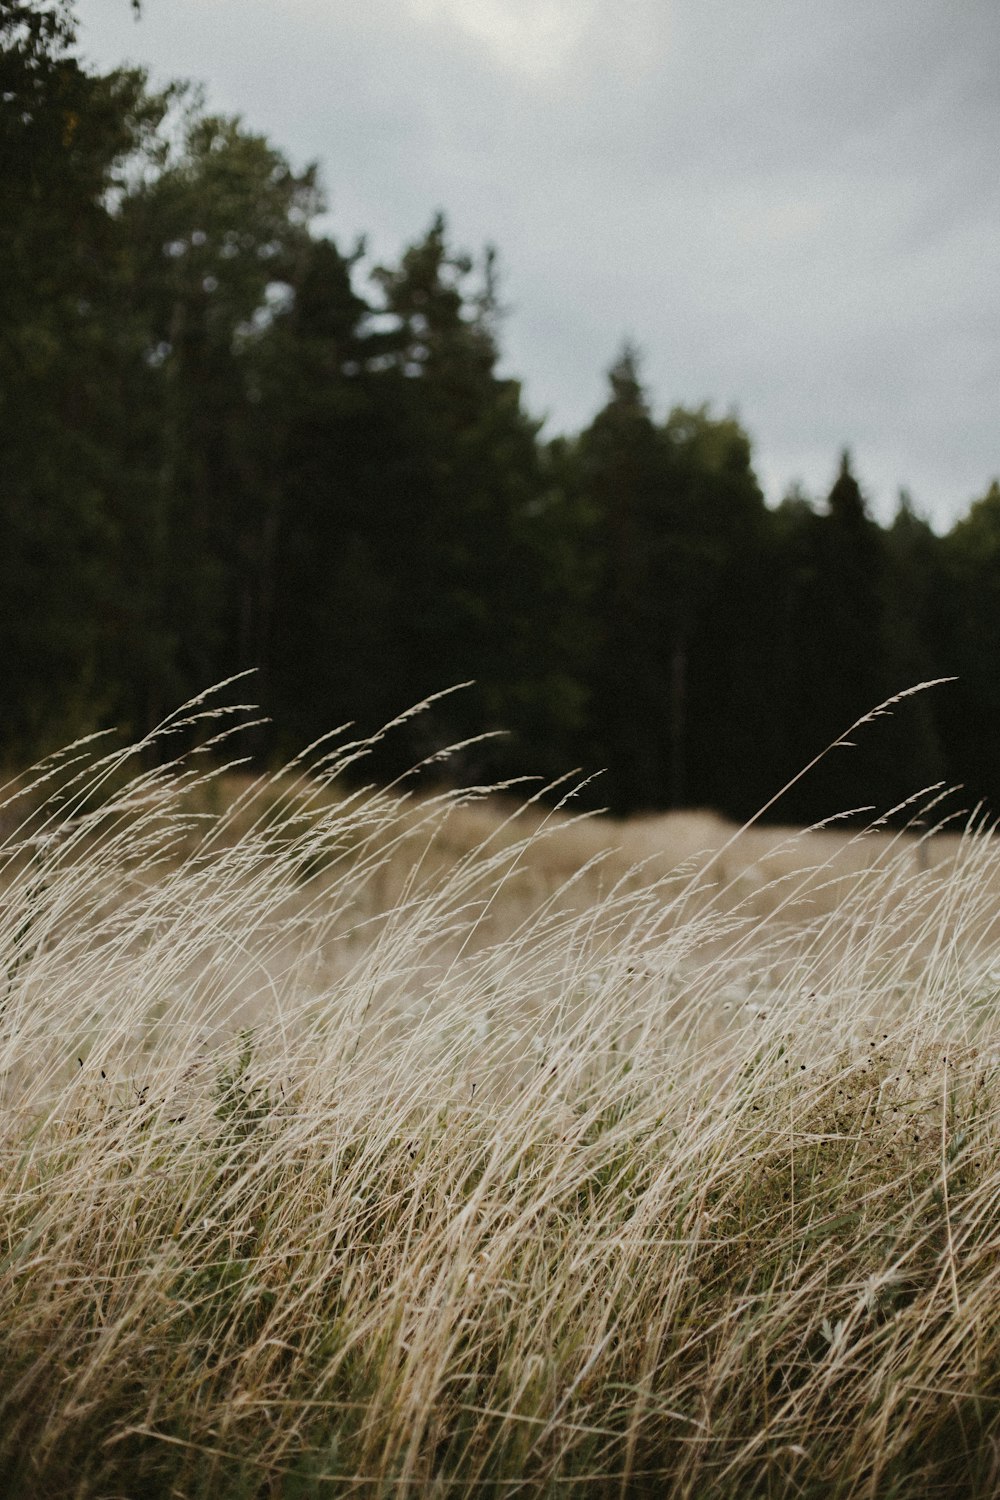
x: 361, y: 1144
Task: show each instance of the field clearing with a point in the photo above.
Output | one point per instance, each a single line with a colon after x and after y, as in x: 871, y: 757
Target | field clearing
x: 360, y: 1144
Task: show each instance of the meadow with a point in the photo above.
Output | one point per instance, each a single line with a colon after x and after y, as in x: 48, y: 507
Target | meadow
x: 388, y: 1142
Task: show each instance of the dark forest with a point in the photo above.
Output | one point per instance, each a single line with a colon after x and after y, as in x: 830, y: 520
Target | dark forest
x: 229, y: 442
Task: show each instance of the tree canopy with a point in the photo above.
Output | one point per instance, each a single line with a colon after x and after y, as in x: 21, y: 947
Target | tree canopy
x: 230, y: 441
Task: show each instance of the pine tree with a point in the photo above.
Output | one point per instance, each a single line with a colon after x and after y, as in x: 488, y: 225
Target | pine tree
x: 66, y: 337
x: 622, y: 470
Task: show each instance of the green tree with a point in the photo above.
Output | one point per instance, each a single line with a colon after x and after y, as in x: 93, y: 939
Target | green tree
x: 678, y: 534
x: 329, y: 437
x: 917, y: 630
x: 968, y: 620
x: 711, y: 563
x: 217, y: 239
x: 622, y: 464
x: 463, y: 528
x: 67, y: 139
x: 854, y: 632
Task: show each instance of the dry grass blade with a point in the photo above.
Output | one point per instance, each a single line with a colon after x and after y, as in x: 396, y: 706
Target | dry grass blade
x: 361, y: 1142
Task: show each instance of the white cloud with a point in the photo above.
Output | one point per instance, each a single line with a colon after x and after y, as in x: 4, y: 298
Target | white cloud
x: 541, y: 38
x: 532, y: 36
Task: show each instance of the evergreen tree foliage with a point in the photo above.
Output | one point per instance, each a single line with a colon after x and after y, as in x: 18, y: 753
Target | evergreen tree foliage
x: 714, y: 557
x: 462, y: 520
x: 228, y: 442
x: 622, y: 470
x: 66, y: 341
x: 216, y: 239
x: 969, y: 611
x: 322, y: 440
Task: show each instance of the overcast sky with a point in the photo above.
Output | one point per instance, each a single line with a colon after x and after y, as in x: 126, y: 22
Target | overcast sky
x: 792, y: 206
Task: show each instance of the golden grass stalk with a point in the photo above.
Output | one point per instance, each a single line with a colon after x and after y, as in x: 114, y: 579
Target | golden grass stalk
x: 341, y: 1154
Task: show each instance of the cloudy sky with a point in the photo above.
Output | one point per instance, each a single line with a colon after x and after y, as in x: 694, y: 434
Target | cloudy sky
x: 792, y: 207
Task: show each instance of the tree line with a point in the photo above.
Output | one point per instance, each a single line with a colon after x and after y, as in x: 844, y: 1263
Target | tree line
x: 229, y: 442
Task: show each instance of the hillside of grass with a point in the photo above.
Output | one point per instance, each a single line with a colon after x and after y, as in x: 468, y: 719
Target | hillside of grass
x: 366, y: 1142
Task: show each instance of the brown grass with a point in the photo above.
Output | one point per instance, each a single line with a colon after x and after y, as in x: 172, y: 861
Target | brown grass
x: 357, y: 1144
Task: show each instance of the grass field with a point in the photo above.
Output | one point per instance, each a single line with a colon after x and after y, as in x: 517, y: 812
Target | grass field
x: 383, y: 1144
